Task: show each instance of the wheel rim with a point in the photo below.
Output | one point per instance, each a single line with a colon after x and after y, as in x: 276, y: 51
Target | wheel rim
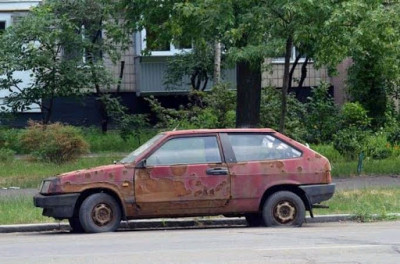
x: 102, y: 214
x: 285, y: 212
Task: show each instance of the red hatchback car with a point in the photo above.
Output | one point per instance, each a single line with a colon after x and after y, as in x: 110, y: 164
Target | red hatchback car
x: 257, y: 173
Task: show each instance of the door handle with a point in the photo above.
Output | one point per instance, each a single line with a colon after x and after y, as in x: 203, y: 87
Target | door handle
x: 217, y: 171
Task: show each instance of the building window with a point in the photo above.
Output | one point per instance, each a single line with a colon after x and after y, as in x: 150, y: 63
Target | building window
x: 295, y: 53
x: 162, y: 49
x: 2, y: 26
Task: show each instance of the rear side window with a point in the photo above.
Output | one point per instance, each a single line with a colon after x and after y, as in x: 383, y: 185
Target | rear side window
x: 187, y: 150
x: 251, y: 147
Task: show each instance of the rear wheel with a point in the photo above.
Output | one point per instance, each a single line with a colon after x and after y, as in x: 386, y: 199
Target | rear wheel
x: 100, y: 212
x: 284, y: 208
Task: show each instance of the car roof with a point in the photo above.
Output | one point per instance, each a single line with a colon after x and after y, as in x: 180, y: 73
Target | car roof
x: 222, y: 130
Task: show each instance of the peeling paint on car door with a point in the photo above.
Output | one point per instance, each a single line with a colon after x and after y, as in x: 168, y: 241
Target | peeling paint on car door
x: 203, y: 181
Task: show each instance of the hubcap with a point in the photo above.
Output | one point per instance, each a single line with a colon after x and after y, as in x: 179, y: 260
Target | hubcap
x: 284, y: 212
x: 102, y: 214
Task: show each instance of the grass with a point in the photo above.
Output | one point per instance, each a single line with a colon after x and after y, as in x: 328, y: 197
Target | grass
x: 20, y: 210
x: 112, y: 141
x: 98, y: 141
x: 390, y: 166
x: 364, y: 203
x: 29, y: 174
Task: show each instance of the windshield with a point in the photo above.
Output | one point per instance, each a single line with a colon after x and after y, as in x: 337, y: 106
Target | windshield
x: 132, y: 156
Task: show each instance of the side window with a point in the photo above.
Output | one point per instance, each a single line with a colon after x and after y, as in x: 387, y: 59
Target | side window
x: 186, y: 150
x: 248, y: 147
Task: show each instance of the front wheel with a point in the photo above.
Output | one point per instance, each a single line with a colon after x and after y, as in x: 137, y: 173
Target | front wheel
x: 254, y: 219
x: 100, y: 212
x: 284, y: 208
x: 75, y: 225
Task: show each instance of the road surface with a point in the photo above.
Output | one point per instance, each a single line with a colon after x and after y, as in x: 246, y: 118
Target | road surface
x: 313, y: 243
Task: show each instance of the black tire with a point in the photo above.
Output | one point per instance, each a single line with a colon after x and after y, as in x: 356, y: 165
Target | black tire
x: 284, y: 208
x: 254, y: 219
x: 75, y: 224
x: 100, y: 213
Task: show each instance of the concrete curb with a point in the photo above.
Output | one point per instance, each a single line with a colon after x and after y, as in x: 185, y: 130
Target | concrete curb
x: 163, y: 223
x: 177, y: 223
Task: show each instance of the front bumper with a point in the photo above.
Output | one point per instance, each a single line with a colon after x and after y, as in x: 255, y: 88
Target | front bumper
x: 318, y: 193
x: 59, y: 206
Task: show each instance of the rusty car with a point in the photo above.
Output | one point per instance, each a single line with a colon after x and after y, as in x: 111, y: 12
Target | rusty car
x: 260, y: 174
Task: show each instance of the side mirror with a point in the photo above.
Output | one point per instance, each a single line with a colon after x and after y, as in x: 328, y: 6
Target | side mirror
x: 141, y: 164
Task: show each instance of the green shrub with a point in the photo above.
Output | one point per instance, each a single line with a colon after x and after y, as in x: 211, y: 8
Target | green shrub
x: 6, y: 155
x: 270, y: 111
x: 377, y: 147
x: 329, y: 152
x: 10, y: 139
x: 354, y: 115
x: 350, y: 142
x: 214, y: 109
x: 55, y: 142
x: 394, y: 135
x: 322, y: 115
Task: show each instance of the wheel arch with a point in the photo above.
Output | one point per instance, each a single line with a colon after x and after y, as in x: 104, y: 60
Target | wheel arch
x: 285, y: 187
x: 86, y: 193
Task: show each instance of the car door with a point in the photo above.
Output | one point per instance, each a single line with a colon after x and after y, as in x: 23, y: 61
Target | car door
x: 186, y: 174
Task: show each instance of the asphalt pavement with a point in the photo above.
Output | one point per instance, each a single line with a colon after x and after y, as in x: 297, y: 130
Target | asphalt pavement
x: 344, y: 242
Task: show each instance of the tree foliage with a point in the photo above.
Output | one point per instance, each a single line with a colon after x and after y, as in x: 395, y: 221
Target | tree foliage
x: 35, y: 44
x: 62, y: 45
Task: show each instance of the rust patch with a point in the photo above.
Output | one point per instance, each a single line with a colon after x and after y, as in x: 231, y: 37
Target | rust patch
x: 111, y: 175
x: 279, y: 164
x: 124, y: 172
x: 299, y: 169
x: 220, y: 186
x: 168, y: 188
x: 87, y: 175
x: 198, y: 193
x: 317, y: 156
x: 178, y: 170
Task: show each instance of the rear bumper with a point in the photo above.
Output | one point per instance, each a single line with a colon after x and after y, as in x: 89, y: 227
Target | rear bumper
x: 59, y: 206
x: 318, y: 193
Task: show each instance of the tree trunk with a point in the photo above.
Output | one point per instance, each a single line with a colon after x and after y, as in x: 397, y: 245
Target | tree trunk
x: 303, y: 72
x: 248, y: 95
x: 294, y: 65
x: 217, y: 62
x: 285, y: 86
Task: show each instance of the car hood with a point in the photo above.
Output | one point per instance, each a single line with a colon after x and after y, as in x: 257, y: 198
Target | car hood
x: 108, y: 173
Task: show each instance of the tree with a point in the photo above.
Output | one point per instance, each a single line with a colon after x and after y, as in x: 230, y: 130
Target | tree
x: 375, y: 73
x: 99, y: 25
x: 250, y: 31
x: 62, y: 43
x: 36, y: 44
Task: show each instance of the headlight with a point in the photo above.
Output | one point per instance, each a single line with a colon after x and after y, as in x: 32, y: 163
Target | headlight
x: 50, y: 185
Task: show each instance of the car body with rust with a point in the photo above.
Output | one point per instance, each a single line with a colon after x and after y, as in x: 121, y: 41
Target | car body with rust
x: 257, y: 173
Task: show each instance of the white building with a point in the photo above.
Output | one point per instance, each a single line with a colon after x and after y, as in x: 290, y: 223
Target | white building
x: 10, y: 12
